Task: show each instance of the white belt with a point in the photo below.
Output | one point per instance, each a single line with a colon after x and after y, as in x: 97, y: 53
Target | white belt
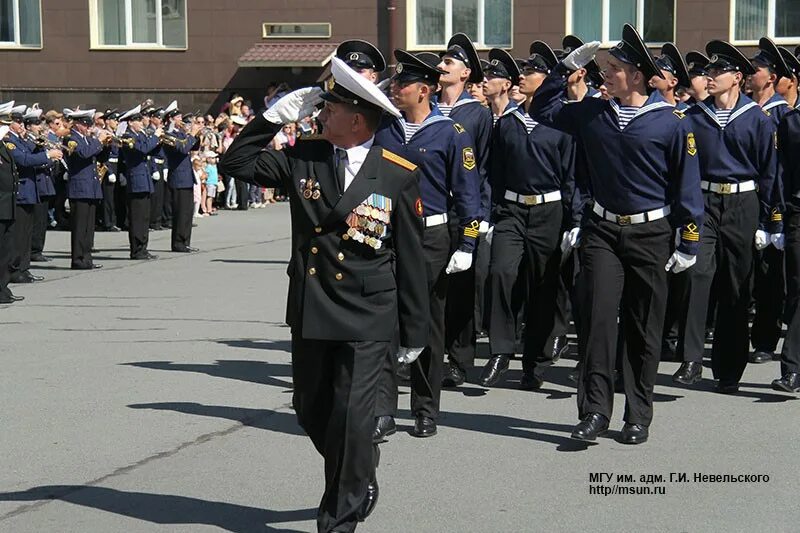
x: 533, y: 199
x: 728, y: 188
x: 638, y: 218
x: 435, y: 220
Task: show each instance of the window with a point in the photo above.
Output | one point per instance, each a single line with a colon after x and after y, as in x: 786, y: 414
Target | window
x: 602, y: 20
x: 296, y: 30
x: 20, y: 23
x: 753, y: 19
x: 432, y: 22
x: 139, y: 23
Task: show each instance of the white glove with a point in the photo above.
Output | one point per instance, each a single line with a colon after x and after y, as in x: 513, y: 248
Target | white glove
x: 761, y: 239
x: 408, y: 355
x: 777, y: 240
x: 483, y: 227
x: 459, y: 262
x: 295, y: 106
x: 166, y: 173
x: 156, y: 176
x: 112, y: 178
x: 679, y: 262
x: 490, y: 235
x: 570, y: 239
x: 581, y: 56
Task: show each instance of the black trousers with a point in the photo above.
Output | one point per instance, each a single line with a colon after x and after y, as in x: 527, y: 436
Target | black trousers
x: 386, y: 404
x: 121, y: 202
x: 426, y: 372
x: 107, y: 212
x: 526, y: 237
x: 82, y: 213
x: 790, y: 355
x: 166, y: 210
x: 243, y: 195
x: 23, y: 232
x: 335, y: 388
x: 60, y: 200
x: 459, y: 325
x: 622, y: 275
x: 6, y: 251
x: 182, y: 212
x: 157, y: 204
x: 41, y: 221
x: 769, y: 292
x: 726, y: 252
x: 480, y: 266
x: 139, y: 223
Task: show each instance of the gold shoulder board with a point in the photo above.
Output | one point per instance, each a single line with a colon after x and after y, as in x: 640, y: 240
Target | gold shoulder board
x: 397, y: 160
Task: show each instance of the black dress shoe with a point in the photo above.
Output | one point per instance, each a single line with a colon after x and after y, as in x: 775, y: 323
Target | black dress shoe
x: 453, y: 376
x: 404, y: 371
x: 156, y: 228
x: 592, y: 426
x: 424, y: 427
x: 634, y: 434
x: 530, y: 381
x: 370, y: 501
x: 560, y: 347
x: 790, y: 382
x: 10, y: 298
x: 39, y: 258
x: 761, y: 356
x: 689, y: 373
x: 494, y: 369
x: 709, y: 335
x: 20, y: 278
x: 147, y: 256
x: 32, y: 277
x: 185, y: 250
x: 384, y: 426
x: 727, y: 387
x: 95, y: 266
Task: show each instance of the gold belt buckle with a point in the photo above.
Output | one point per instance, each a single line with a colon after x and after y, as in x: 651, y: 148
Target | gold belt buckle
x: 623, y: 220
x: 531, y: 200
x: 725, y: 188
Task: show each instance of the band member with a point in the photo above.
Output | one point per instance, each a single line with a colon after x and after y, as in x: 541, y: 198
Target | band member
x: 108, y: 216
x: 354, y: 272
x: 8, y: 205
x: 45, y: 187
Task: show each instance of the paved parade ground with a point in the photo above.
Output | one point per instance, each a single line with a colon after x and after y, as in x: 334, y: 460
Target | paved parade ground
x: 156, y: 396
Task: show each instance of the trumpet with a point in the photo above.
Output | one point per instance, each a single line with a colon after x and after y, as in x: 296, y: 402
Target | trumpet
x: 46, y: 144
x: 170, y: 140
x: 123, y: 141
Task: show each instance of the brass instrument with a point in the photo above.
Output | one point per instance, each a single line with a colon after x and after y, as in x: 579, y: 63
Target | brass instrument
x: 102, y: 170
x: 46, y: 144
x: 170, y: 140
x: 123, y: 141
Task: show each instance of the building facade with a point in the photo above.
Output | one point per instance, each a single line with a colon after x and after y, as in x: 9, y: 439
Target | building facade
x: 112, y: 53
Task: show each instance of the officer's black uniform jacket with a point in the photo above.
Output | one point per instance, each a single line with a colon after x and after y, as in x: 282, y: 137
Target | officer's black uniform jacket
x: 341, y: 289
x: 8, y: 185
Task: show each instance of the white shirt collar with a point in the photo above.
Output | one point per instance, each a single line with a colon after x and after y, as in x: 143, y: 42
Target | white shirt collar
x: 355, y: 158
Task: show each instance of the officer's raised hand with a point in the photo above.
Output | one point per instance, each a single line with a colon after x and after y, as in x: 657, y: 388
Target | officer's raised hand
x: 581, y: 56
x: 295, y: 106
x: 459, y: 262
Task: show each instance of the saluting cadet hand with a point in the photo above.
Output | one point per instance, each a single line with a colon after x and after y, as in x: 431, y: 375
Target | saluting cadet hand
x: 570, y: 239
x: 761, y: 239
x: 581, y: 56
x: 295, y: 106
x: 408, y: 355
x: 679, y: 262
x: 459, y: 262
x: 777, y: 240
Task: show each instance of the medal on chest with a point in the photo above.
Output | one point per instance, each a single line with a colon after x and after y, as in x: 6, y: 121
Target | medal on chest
x: 368, y: 222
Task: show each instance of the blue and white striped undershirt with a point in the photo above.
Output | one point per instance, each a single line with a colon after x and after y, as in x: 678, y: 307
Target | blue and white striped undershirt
x: 723, y: 115
x: 410, y: 129
x: 445, y: 109
x: 626, y: 114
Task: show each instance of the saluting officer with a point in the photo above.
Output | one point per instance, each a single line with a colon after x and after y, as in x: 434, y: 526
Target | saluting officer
x: 449, y: 179
x: 460, y: 65
x: 532, y: 176
x: 83, y: 186
x: 8, y: 205
x: 137, y: 144
x: 354, y: 272
x: 738, y: 164
x: 642, y: 168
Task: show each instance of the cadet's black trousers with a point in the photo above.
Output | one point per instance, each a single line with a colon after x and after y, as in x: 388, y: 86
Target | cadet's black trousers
x: 157, y: 204
x: 139, y: 223
x: 107, y: 205
x: 426, y: 372
x: 622, y: 273
x: 769, y: 292
x: 726, y: 251
x: 23, y: 232
x: 81, y: 219
x: 527, y: 237
x: 388, y: 381
x: 6, y: 251
x: 182, y: 212
x: 41, y: 221
x: 790, y: 355
x: 335, y: 387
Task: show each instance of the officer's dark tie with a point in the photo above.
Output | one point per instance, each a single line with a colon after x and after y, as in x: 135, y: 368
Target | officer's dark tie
x: 341, y: 165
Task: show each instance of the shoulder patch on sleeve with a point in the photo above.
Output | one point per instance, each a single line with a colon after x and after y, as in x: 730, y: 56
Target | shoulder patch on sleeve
x: 458, y: 127
x: 468, y: 157
x: 691, y: 144
x: 11, y: 146
x: 397, y: 160
x: 678, y: 113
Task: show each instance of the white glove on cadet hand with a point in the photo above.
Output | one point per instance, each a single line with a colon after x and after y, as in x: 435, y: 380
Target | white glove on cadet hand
x: 570, y: 239
x: 761, y: 239
x: 483, y: 227
x: 408, y: 355
x: 112, y: 178
x: 581, y: 56
x: 679, y: 262
x: 295, y: 106
x: 490, y: 235
x: 459, y: 262
x: 777, y: 240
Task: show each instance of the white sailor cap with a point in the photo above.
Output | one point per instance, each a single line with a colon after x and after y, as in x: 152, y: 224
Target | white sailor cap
x: 132, y: 114
x: 171, y: 110
x: 80, y: 115
x: 18, y: 111
x: 32, y: 113
x: 352, y: 88
x: 5, y: 112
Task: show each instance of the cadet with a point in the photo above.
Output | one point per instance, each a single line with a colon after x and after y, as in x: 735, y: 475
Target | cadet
x: 674, y: 75
x: 177, y: 146
x: 499, y: 76
x: 354, y: 273
x: 8, y: 205
x: 532, y: 177
x: 738, y: 165
x: 787, y: 87
x: 44, y: 186
x: 362, y: 57
x: 448, y: 179
x: 698, y: 77
x: 136, y: 145
x: 642, y: 167
x: 460, y: 65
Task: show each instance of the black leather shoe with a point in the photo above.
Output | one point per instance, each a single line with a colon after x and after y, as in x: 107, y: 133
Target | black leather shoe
x: 40, y: 258
x: 634, y: 434
x: 592, y: 426
x: 790, y: 382
x: 494, y: 369
x: 689, y: 373
x: 10, y: 298
x: 453, y: 376
x: 31, y: 277
x: 761, y: 356
x: 95, y: 266
x: 424, y: 427
x: 404, y: 372
x: 727, y: 387
x: 20, y: 277
x: 185, y: 250
x: 370, y: 501
x: 709, y: 335
x: 145, y: 257
x: 530, y: 381
x: 384, y: 426
x: 156, y: 228
x: 560, y: 347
